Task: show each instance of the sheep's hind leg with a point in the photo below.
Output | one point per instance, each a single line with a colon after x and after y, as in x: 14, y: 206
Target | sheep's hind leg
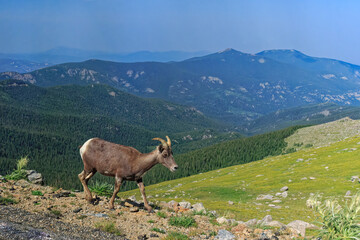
x: 84, y: 179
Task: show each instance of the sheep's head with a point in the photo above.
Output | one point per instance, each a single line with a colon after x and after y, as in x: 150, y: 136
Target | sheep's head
x: 165, y: 154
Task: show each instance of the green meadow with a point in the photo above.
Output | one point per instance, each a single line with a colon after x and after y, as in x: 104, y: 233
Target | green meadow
x: 326, y: 171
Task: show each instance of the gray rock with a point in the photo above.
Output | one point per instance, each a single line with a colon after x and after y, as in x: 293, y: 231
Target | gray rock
x: 284, y: 194
x: 312, y: 178
x: 224, y: 235
x: 285, y: 188
x: 355, y: 179
x: 185, y: 204
x: 265, y: 197
x: 132, y: 198
x: 300, y: 226
x: 199, y: 207
x: 35, y: 177
x: 266, y: 220
x: 77, y: 210
x: 173, y: 203
x: 134, y: 209
x: 278, y: 194
x: 222, y: 220
x: 277, y: 201
x: 230, y: 202
x: 251, y: 222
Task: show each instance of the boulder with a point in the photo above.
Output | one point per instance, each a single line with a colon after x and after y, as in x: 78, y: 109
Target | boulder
x: 275, y: 224
x: 230, y: 202
x: 266, y: 220
x: 34, y: 177
x: 355, y: 179
x: 173, y: 204
x: 132, y: 198
x: 185, y: 205
x: 300, y: 226
x: 285, y: 188
x: 224, y: 235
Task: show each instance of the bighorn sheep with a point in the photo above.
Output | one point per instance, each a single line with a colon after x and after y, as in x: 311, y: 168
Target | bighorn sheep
x: 123, y: 163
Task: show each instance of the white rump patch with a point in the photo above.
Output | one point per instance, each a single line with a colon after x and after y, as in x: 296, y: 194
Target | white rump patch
x: 84, y: 147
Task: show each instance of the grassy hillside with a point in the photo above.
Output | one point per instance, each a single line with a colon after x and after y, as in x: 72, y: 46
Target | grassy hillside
x: 331, y: 167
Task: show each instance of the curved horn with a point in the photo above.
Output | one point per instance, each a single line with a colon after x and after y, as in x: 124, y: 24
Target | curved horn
x: 162, y: 141
x: 168, y: 141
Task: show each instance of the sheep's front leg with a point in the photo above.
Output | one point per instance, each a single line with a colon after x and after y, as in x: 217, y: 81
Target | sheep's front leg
x: 142, y: 190
x: 118, y: 182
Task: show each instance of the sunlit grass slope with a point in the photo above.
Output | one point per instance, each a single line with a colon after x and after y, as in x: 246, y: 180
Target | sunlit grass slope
x: 331, y: 166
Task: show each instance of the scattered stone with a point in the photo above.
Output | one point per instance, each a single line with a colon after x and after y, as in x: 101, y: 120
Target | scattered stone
x: 290, y: 180
x: 277, y: 201
x: 263, y: 236
x: 214, y: 213
x: 260, y: 175
x: 271, y: 205
x: 172, y: 204
x: 134, y: 209
x: 153, y: 235
x: 185, y: 204
x: 224, y: 235
x: 230, y: 202
x: 132, y: 198
x: 284, y: 194
x: 348, y: 194
x: 130, y: 203
x: 77, y: 210
x: 277, y: 194
x: 312, y: 178
x: 265, y: 197
x: 251, y: 222
x: 283, y: 189
x: 199, y: 207
x: 222, y: 220
x: 203, y: 236
x: 304, y: 178
x: 355, y: 179
x: 299, y: 160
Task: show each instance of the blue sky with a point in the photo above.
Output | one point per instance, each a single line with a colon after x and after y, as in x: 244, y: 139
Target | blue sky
x: 319, y: 28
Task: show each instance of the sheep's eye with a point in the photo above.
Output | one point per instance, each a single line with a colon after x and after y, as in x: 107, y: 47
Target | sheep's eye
x: 165, y: 155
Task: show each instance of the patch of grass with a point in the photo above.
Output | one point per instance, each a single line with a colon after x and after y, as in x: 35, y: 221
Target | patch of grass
x: 37, y: 193
x: 201, y: 213
x: 337, y: 222
x: 72, y: 195
x: 82, y: 217
x: 55, y: 212
x: 161, y: 214
x: 108, y: 226
x: 159, y: 230
x: 176, y: 236
x: 102, y: 189
x: 7, y: 201
x: 182, y: 221
x: 19, y: 173
x: 151, y: 221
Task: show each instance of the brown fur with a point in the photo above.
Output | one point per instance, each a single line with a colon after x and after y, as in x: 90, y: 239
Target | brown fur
x: 121, y: 162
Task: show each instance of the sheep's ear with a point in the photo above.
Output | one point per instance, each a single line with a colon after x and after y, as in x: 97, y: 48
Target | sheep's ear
x: 161, y: 148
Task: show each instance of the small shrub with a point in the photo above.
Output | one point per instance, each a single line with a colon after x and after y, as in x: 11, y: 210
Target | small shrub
x: 109, y: 227
x: 201, y: 213
x: 337, y: 222
x: 161, y: 214
x: 37, y: 193
x: 7, y: 201
x: 19, y: 173
x: 176, y: 236
x: 102, y: 189
x: 182, y: 221
x: 159, y: 230
x: 308, y: 145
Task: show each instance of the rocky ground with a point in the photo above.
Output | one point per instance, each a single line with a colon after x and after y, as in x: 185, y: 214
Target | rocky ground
x: 41, y: 212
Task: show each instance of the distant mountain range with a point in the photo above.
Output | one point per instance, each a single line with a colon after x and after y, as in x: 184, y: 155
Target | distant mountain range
x: 62, y: 55
x: 229, y: 85
x: 20, y: 66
